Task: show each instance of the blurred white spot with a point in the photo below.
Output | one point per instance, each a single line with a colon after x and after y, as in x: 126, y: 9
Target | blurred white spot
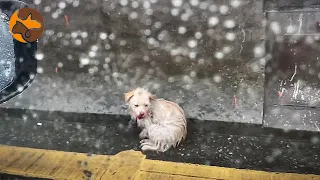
x: 39, y: 70
x: 149, y: 12
x: 157, y: 25
x: 75, y: 3
x: 171, y: 79
x: 203, y: 5
x: 84, y: 34
x: 123, y: 42
x: 198, y: 35
x: 69, y: 57
x: 176, y: 3
x: 217, y: 78
x: 37, y: 2
x: 182, y: 30
x: 275, y: 27
x: 194, y: 2
x: 146, y: 5
x: 47, y: 9
x: 226, y: 49
x: 60, y: 65
x: 174, y: 12
x: 223, y: 9
x: 263, y: 61
x: 146, y: 58
x: 258, y: 51
x: 135, y: 4
x: 94, y: 48
x: 62, y: 5
x: 107, y: 46
x: 213, y: 21
x: 124, y: 2
x: 193, y: 74
x: 235, y: 3
x: 184, y: 17
x: 133, y: 15
x: 315, y: 140
x: 78, y: 42
x: 229, y: 23
x: 112, y: 36
x: 291, y: 29
x: 24, y: 118
x: 175, y: 52
x: 103, y: 35
x: 39, y: 56
x: 213, y: 8
x: 230, y: 36
x: 54, y: 15
x: 92, y: 54
x: 147, y: 32
x: 192, y: 55
x: 39, y: 124
x: 84, y: 61
x: 107, y: 60
x: 192, y: 43
x: 201, y: 61
x: 32, y: 76
x: 219, y: 55
x: 74, y: 34
x: 20, y: 88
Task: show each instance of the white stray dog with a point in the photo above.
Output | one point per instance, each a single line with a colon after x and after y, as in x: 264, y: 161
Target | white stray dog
x: 163, y: 122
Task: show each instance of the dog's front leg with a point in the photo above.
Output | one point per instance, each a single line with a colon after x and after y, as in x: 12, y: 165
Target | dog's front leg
x: 144, y: 134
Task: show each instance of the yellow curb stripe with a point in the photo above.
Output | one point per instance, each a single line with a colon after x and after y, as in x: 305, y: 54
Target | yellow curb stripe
x: 125, y: 165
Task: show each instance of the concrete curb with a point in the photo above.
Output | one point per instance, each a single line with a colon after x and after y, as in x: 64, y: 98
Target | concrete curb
x: 124, y: 165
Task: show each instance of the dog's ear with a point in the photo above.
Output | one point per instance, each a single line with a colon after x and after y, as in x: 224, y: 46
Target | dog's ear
x: 128, y: 96
x: 152, y: 97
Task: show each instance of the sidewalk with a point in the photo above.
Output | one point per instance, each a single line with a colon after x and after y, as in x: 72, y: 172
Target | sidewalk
x: 124, y: 165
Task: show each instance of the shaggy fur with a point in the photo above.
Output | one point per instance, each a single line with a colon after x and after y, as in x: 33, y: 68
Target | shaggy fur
x: 163, y: 122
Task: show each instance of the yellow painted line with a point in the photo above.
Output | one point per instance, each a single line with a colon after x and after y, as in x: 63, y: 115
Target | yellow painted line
x: 126, y: 165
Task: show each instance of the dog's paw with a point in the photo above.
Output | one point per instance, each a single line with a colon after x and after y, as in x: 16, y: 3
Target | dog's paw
x: 143, y: 134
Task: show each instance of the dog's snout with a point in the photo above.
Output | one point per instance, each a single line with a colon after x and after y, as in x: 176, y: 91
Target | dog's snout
x: 142, y: 114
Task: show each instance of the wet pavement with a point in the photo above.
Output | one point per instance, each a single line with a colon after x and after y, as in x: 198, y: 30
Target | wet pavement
x: 209, y: 143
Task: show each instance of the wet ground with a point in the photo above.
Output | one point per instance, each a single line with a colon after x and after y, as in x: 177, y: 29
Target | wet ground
x: 210, y: 143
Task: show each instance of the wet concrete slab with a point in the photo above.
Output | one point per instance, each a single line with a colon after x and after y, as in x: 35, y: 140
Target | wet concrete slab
x: 209, y: 143
x: 292, y: 98
x: 205, y: 56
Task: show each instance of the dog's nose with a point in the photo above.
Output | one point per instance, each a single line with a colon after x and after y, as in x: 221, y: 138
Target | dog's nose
x: 142, y: 114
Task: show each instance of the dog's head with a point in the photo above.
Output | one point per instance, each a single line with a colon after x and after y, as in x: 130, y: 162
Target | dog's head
x: 139, y: 101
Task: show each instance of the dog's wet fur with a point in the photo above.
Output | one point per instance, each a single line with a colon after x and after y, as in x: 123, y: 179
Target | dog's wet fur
x: 163, y: 122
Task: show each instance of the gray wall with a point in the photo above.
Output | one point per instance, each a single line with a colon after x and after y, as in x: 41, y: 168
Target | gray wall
x: 175, y: 48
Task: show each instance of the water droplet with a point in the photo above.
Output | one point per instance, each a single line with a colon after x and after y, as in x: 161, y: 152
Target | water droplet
x: 39, y: 56
x: 229, y: 23
x: 182, y: 30
x: 223, y: 9
x: 192, y: 43
x: 176, y: 3
x: 213, y: 21
x: 219, y: 55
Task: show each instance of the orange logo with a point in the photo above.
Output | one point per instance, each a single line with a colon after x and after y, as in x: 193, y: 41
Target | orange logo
x: 26, y: 25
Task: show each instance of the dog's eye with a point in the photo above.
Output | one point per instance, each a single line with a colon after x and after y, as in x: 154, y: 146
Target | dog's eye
x: 146, y: 105
x: 136, y: 105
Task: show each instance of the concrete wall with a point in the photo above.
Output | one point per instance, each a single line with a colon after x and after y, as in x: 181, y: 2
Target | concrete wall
x: 206, y: 55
